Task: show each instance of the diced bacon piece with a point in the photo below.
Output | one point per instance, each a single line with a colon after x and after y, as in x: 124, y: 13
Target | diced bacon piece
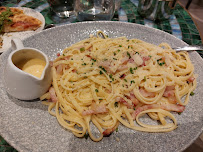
x: 122, y: 76
x: 74, y: 70
x: 58, y: 54
x: 59, y: 69
x: 87, y: 112
x: 109, y: 131
x: 131, y: 60
x: 122, y: 67
x: 191, y: 79
x: 124, y: 60
x: 121, y: 100
x: 168, y: 88
x: 173, y: 107
x: 170, y: 93
x: 67, y: 57
x: 168, y: 107
x: 90, y: 49
x: 145, y: 58
x: 143, y: 108
x: 106, y: 65
x: 137, y: 59
x: 67, y: 66
x: 95, y: 109
x: 133, y: 98
x: 146, y: 94
x: 53, y: 94
x: 89, y: 56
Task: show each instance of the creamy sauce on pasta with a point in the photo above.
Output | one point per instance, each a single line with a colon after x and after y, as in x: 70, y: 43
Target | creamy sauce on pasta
x: 112, y: 81
x: 34, y: 66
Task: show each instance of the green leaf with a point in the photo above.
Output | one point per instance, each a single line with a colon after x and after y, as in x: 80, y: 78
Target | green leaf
x: 4, y: 18
x: 116, y: 104
x: 131, y: 71
x: 82, y: 49
x: 86, y: 135
x: 128, y: 55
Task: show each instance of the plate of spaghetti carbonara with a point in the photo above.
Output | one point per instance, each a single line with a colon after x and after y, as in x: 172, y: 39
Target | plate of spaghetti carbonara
x: 113, y: 89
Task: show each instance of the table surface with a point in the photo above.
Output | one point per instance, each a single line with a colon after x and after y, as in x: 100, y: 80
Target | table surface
x: 180, y: 24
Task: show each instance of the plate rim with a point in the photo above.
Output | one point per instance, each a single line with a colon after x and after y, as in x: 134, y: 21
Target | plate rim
x: 17, y: 147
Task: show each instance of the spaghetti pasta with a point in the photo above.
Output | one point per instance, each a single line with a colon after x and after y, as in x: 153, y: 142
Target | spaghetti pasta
x: 108, y: 81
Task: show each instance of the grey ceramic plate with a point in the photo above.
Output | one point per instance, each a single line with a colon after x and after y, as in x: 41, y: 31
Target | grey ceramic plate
x: 28, y: 126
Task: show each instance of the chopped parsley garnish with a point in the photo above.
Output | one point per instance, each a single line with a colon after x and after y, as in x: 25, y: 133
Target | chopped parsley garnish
x: 125, y: 80
x: 114, y: 58
x: 100, y: 99
x: 179, y: 113
x: 86, y: 135
x: 135, y: 68
x: 96, y: 90
x: 120, y: 45
x: 145, y: 78
x: 131, y: 71
x: 82, y: 49
x: 63, y: 54
x: 160, y: 63
x: 118, y: 50
x: 128, y: 46
x: 128, y: 55
x: 94, y: 60
x: 137, y: 53
x: 116, y: 104
x: 150, y: 56
x: 103, y: 68
x: 85, y: 76
x: 128, y: 40
x: 111, y: 77
x: 192, y: 93
x: 100, y: 72
x: 71, y: 58
x: 117, y: 129
x: 114, y: 53
x: 132, y: 81
x: 84, y: 64
x: 4, y: 18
